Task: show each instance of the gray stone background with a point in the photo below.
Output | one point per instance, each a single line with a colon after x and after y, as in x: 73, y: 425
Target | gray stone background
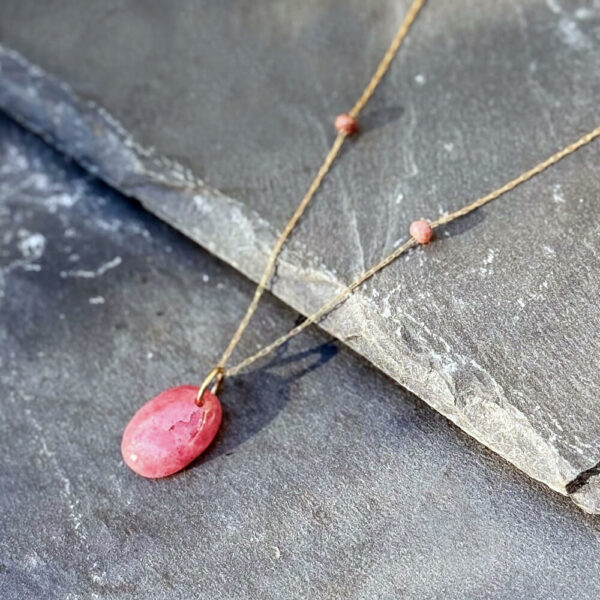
x: 495, y: 325
x: 326, y: 481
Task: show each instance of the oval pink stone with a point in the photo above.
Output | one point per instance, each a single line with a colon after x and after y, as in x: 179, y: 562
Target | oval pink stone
x: 170, y: 431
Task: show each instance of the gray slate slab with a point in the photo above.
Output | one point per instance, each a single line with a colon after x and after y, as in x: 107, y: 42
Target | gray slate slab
x: 215, y: 116
x: 306, y: 493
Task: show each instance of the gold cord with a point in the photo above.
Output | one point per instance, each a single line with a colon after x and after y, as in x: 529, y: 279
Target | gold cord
x: 268, y: 272
x: 448, y: 218
x: 321, y: 173
x: 513, y: 183
x: 219, y: 372
x: 388, y: 57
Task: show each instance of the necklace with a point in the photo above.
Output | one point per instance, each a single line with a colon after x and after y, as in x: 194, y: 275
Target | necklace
x: 174, y: 428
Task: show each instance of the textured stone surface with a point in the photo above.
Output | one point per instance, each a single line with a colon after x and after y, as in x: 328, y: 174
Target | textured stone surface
x: 326, y: 481
x: 496, y: 324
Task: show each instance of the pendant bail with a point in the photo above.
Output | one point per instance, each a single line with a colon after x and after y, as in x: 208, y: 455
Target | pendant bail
x: 215, y: 377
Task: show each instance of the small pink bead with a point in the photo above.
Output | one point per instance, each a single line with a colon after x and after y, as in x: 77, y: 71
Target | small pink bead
x: 421, y: 231
x: 344, y: 123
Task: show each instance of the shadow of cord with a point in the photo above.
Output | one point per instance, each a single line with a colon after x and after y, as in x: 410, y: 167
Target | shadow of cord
x: 256, y: 398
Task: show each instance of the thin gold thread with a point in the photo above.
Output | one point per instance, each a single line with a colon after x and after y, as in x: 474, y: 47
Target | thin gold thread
x: 378, y: 75
x: 513, y: 183
x: 448, y: 218
x: 389, y: 55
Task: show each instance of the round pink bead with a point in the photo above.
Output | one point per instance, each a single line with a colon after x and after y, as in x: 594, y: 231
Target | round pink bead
x: 170, y: 431
x: 346, y: 124
x: 421, y: 231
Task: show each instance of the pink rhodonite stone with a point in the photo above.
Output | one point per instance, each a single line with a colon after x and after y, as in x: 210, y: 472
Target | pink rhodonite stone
x: 170, y: 431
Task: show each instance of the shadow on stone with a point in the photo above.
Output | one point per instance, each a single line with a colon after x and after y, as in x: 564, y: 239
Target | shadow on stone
x: 377, y: 118
x: 460, y: 226
x: 371, y: 120
x: 256, y: 398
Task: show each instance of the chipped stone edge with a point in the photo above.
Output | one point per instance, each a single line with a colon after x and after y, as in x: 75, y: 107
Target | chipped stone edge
x: 465, y: 394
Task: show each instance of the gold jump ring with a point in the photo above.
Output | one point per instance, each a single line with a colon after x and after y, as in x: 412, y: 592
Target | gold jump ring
x: 215, y: 377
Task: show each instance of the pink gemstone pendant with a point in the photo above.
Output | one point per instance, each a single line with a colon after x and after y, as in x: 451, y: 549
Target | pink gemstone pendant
x: 170, y: 431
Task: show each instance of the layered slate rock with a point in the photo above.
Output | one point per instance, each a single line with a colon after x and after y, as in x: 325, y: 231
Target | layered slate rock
x: 392, y: 499
x: 495, y: 324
